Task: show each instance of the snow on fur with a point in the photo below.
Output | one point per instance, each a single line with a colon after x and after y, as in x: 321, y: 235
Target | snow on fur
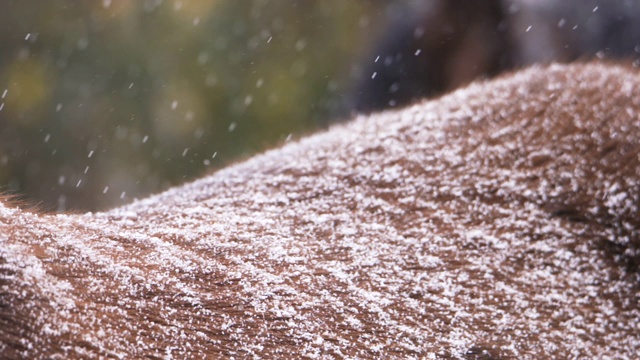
x: 500, y: 221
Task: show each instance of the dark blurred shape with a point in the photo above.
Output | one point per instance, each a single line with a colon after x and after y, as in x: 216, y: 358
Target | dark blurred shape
x: 430, y: 49
x: 439, y: 45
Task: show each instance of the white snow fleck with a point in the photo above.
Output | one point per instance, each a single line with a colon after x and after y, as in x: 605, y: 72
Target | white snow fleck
x: 562, y: 22
x: 473, y: 223
x: 300, y: 45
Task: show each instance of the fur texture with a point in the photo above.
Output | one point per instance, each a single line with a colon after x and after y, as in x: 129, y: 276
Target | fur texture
x: 498, y: 222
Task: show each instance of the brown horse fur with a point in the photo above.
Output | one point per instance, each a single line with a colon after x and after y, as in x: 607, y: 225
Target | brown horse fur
x: 500, y: 221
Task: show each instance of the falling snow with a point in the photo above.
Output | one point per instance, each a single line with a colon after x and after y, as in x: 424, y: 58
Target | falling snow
x: 473, y: 223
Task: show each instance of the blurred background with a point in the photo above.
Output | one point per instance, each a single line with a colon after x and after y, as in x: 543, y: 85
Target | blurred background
x: 106, y: 101
x: 102, y: 102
